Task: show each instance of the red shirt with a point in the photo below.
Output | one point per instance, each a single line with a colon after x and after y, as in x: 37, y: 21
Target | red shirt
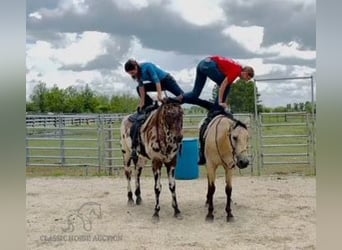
x: 228, y: 67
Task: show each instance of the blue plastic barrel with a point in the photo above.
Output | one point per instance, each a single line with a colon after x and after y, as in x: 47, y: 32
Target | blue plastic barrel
x: 187, y: 167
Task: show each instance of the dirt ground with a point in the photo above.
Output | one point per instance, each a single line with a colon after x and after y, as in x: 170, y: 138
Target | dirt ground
x: 277, y: 212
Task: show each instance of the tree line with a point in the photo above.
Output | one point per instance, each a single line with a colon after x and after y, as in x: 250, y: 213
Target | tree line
x: 77, y: 100
x: 86, y: 100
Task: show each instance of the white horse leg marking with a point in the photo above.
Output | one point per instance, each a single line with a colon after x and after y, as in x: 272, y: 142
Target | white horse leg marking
x: 172, y: 188
x: 157, y: 187
x: 128, y: 173
x: 138, y: 170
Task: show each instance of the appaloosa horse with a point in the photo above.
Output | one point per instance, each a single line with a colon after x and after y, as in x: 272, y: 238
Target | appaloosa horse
x: 226, y: 143
x: 160, y: 140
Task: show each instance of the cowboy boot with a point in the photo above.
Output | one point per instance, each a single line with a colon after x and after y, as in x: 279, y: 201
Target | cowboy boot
x: 202, y: 159
x: 203, y: 127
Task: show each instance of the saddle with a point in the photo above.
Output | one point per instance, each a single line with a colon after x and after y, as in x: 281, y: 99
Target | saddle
x: 138, y: 119
x: 210, y: 116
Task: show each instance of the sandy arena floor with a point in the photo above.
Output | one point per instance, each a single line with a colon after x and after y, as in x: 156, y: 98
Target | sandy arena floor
x: 270, y: 213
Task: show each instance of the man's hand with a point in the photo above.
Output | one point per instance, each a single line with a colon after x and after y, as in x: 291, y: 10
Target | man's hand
x: 224, y: 105
x: 160, y: 97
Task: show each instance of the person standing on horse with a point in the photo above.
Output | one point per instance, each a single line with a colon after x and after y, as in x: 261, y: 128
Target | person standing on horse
x: 150, y: 78
x: 223, y: 71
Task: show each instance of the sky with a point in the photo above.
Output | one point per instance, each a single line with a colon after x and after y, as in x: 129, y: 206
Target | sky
x: 79, y: 42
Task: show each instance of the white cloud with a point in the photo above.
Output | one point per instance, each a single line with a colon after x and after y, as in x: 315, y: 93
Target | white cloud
x: 81, y: 49
x: 43, y: 60
x: 289, y: 50
x: 78, y: 6
x: 199, y: 12
x: 249, y: 37
x: 134, y: 4
x: 36, y: 15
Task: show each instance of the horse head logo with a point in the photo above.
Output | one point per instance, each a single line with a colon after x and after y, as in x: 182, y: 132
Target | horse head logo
x: 86, y: 213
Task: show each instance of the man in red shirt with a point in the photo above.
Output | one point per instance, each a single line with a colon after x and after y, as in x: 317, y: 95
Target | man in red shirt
x: 223, y: 71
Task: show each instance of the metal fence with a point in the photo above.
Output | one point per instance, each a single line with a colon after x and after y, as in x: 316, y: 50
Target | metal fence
x: 286, y: 139
x: 94, y: 140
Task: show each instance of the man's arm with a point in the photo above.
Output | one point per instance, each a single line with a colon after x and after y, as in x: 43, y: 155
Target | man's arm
x: 223, y: 87
x: 159, y: 92
x: 155, y: 79
x: 142, y: 96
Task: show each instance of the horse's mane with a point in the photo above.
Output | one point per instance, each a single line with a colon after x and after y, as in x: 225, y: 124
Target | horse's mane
x: 239, y: 123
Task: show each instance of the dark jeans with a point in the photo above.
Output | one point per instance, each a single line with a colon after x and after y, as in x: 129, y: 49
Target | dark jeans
x: 168, y: 83
x: 206, y: 68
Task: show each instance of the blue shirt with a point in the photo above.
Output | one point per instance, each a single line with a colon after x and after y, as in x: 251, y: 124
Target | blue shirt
x: 151, y: 73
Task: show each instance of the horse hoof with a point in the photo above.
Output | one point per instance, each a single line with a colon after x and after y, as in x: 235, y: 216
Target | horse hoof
x: 209, y: 218
x: 178, y: 216
x: 230, y: 218
x: 155, y: 218
x: 130, y: 203
x: 138, y: 201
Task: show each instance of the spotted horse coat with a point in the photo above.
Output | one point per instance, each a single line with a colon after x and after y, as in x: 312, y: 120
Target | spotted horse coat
x: 160, y: 140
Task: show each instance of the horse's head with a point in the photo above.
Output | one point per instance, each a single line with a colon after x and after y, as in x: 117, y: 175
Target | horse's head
x: 172, y: 114
x: 239, y: 137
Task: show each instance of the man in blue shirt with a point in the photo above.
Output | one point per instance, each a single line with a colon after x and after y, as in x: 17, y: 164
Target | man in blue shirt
x: 152, y: 78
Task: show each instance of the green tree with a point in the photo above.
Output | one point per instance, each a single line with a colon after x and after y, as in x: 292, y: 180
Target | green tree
x: 124, y: 103
x: 73, y: 100
x: 103, y: 105
x: 241, y: 97
x: 39, y: 97
x: 288, y: 107
x: 88, y: 99
x: 55, y: 100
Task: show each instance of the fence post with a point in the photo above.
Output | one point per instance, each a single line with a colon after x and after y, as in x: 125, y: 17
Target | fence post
x: 61, y: 136
x: 27, y: 148
x: 100, y: 135
x: 110, y: 153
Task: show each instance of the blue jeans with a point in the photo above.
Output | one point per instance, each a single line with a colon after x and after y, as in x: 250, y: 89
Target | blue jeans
x: 205, y: 68
x: 168, y: 83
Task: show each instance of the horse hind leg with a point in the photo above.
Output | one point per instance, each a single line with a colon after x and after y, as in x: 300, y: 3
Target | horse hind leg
x: 211, y: 190
x: 128, y: 174
x: 172, y: 188
x: 138, y: 169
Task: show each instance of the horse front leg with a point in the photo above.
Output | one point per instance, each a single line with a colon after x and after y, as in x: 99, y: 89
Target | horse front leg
x: 138, y: 169
x: 229, y: 175
x: 211, y: 190
x: 156, y: 166
x: 170, y: 167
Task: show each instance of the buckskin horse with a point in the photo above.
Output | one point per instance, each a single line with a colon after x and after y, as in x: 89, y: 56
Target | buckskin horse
x: 226, y: 143
x: 159, y: 141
